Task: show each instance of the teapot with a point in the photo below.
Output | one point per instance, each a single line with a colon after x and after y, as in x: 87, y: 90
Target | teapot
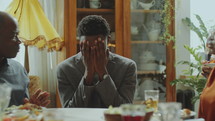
x: 146, y: 6
x: 134, y: 4
x: 134, y: 30
x: 154, y: 31
x: 148, y: 56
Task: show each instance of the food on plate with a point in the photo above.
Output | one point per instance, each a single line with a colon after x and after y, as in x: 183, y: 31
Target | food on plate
x: 17, y: 115
x: 113, y: 114
x: 26, y: 112
x: 212, y: 61
x: 113, y: 110
x: 29, y: 106
x: 186, y: 112
x: 206, y: 62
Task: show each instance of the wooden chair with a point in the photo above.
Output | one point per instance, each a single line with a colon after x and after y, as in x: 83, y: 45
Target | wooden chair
x: 34, y: 84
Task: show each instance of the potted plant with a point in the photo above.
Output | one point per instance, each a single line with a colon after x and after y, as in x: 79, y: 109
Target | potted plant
x: 193, y: 79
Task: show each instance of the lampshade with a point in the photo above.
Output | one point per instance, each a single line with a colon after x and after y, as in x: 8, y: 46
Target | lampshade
x: 35, y: 28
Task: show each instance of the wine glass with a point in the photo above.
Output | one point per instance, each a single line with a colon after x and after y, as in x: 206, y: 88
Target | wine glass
x: 5, y: 94
x: 133, y: 112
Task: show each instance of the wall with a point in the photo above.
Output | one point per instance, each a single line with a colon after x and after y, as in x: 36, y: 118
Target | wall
x: 182, y: 33
x: 185, y: 8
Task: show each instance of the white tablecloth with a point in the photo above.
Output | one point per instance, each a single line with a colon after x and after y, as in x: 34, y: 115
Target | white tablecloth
x: 79, y: 114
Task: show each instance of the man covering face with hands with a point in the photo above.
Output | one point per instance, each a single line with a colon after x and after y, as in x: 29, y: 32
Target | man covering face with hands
x: 95, y: 57
x: 96, y: 77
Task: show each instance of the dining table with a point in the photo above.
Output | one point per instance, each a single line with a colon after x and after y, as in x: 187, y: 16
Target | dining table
x: 76, y: 114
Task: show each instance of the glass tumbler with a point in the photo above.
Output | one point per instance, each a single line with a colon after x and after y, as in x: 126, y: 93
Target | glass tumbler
x: 152, y: 98
x: 170, y: 111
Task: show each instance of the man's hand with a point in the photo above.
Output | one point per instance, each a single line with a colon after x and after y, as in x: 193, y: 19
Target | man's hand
x: 88, y: 56
x: 101, y: 57
x: 40, y: 98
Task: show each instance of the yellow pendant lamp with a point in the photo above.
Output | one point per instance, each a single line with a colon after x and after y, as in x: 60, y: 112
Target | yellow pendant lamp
x: 35, y: 28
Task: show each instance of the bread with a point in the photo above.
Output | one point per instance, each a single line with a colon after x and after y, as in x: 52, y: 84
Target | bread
x: 187, y: 112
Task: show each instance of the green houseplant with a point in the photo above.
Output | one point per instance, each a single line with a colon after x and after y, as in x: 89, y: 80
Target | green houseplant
x: 194, y: 80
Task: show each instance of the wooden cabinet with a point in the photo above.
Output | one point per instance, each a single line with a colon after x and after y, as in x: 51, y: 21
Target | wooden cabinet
x: 74, y: 14
x: 142, y: 28
x: 135, y: 32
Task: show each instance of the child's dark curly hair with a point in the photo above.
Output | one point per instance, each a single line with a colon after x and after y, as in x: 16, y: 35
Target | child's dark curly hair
x: 93, y: 25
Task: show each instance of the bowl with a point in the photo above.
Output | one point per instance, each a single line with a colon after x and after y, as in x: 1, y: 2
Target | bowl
x: 187, y: 114
x: 112, y: 117
x: 128, y: 112
x: 117, y: 117
x: 148, y: 116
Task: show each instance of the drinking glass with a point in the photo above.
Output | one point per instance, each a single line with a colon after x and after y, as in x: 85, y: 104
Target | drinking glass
x: 170, y: 111
x: 151, y: 98
x: 53, y: 115
x: 5, y: 93
x: 133, y: 112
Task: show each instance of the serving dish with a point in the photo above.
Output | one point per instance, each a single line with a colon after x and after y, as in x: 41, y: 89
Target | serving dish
x: 209, y: 65
x: 187, y: 114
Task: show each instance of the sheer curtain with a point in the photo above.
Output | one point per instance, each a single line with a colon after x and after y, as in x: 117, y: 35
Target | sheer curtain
x: 43, y: 63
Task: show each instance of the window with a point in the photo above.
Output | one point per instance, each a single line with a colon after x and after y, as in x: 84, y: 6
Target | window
x: 204, y: 9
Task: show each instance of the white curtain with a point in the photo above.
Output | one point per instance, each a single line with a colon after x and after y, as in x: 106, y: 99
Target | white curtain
x: 43, y: 63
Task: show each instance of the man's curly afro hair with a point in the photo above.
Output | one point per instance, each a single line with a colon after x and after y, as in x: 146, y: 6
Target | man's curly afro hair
x: 93, y: 25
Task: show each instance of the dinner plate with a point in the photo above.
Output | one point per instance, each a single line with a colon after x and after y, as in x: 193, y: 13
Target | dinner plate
x: 210, y: 65
x: 183, y: 116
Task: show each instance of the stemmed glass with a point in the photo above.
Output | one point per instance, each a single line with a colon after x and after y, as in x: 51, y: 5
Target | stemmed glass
x: 5, y: 94
x: 170, y: 111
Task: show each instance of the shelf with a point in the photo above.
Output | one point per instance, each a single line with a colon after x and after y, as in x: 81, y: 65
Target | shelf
x: 146, y: 42
x: 91, y: 10
x: 145, y: 11
x: 148, y: 72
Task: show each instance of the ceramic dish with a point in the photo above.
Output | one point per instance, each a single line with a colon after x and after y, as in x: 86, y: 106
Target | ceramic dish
x: 209, y: 65
x: 187, y: 116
